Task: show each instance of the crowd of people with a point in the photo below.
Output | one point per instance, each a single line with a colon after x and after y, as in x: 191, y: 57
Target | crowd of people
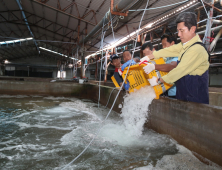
x: 187, y: 62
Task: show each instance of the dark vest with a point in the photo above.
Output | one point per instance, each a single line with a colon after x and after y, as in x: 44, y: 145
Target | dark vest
x: 193, y: 88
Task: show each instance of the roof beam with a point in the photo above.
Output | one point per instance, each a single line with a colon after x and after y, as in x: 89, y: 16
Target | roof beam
x: 26, y: 21
x: 43, y: 1
x: 65, y: 30
x: 37, y: 26
x: 64, y: 12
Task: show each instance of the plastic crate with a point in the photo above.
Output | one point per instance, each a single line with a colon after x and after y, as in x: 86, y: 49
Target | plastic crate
x: 138, y: 78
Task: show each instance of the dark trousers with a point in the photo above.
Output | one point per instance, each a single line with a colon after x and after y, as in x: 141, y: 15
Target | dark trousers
x: 193, y: 88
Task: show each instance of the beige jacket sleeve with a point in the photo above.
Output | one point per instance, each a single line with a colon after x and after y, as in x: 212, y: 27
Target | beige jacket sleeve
x: 172, y: 51
x: 190, y: 61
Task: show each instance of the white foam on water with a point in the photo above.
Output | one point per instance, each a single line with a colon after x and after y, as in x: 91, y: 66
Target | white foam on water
x: 21, y: 96
x: 125, y: 132
x: 117, y: 133
x: 24, y: 114
x: 24, y: 147
x: 25, y: 125
x: 58, y: 110
x: 135, y: 109
x: 78, y: 105
x: 28, y: 103
x: 13, y: 96
x: 73, y: 137
x: 36, y: 96
x: 18, y: 104
x: 35, y: 101
x: 5, y: 96
x: 183, y: 160
x: 54, y: 98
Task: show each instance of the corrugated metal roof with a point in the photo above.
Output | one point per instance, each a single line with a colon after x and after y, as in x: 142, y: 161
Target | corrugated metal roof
x: 51, y: 21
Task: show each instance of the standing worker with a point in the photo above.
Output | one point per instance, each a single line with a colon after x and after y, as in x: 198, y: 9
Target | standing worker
x: 167, y: 40
x: 191, y: 73
x: 127, y: 55
x: 116, y: 62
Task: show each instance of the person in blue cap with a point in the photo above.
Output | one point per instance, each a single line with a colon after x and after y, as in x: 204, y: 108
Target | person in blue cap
x: 116, y: 62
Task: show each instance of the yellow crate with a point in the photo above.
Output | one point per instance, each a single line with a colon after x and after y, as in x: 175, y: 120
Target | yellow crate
x: 114, y: 81
x: 138, y: 78
x: 135, y: 77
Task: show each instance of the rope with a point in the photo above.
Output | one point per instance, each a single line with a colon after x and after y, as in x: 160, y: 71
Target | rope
x: 101, y: 46
x: 205, y: 9
x: 96, y: 134
x: 110, y: 96
x: 111, y: 20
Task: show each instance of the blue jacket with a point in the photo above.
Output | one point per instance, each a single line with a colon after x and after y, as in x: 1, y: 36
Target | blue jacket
x: 172, y: 90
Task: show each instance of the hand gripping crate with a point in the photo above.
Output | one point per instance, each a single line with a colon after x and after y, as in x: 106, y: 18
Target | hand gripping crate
x: 138, y: 78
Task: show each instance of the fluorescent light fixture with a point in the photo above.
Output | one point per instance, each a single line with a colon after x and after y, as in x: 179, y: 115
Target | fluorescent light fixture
x: 133, y: 33
x: 53, y: 52
x: 73, y: 58
x: 15, y: 41
x: 149, y: 25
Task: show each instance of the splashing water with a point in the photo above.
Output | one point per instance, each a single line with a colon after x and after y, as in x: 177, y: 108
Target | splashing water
x: 48, y: 132
x: 135, y: 109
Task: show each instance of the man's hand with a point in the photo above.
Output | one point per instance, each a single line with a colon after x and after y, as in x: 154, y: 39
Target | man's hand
x: 120, y: 71
x: 144, y: 59
x: 153, y: 81
x: 149, y: 68
x: 160, y: 80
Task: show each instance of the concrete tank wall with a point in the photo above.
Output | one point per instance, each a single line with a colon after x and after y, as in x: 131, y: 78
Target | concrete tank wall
x: 196, y: 126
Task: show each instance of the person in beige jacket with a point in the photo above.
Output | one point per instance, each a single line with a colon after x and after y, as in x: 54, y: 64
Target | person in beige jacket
x: 191, y: 73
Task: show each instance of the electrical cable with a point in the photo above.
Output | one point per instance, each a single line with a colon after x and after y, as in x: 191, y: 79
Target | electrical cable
x: 111, y: 106
x: 155, y: 15
x: 160, y: 7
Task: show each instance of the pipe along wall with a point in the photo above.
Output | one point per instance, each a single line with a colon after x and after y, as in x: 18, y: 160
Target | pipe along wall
x: 196, y: 126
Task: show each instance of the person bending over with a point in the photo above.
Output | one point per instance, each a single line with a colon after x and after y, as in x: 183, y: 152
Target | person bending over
x: 191, y: 73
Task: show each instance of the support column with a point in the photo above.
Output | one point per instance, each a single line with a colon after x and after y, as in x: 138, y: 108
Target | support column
x: 82, y: 62
x: 28, y: 71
